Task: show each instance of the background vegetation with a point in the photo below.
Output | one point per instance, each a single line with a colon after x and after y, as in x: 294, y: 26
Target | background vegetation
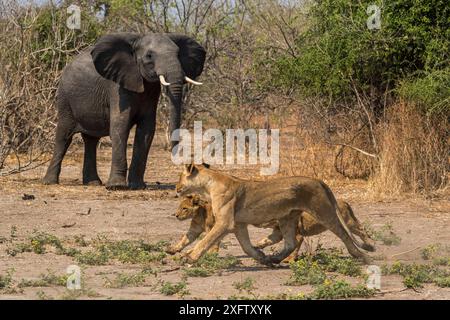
x: 377, y: 101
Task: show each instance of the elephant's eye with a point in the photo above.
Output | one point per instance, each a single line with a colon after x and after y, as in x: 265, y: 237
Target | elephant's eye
x: 149, y: 55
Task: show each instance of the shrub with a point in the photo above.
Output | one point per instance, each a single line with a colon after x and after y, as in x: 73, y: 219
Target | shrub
x: 210, y: 263
x: 169, y: 289
x: 340, y: 289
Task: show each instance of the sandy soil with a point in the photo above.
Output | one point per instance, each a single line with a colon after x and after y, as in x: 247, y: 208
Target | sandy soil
x: 70, y: 210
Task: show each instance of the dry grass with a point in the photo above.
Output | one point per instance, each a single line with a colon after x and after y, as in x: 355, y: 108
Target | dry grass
x: 414, y: 155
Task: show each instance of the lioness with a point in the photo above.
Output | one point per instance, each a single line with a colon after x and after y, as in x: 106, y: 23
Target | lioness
x: 200, y: 211
x: 237, y: 203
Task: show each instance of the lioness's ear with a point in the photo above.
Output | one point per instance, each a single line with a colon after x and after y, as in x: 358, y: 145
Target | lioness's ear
x: 189, y: 169
x: 207, y: 166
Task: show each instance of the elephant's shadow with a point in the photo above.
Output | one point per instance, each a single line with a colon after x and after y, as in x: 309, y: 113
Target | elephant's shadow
x: 160, y: 186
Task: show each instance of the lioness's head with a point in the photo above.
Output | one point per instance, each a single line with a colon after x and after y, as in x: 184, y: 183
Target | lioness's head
x: 191, y: 180
x: 189, y: 207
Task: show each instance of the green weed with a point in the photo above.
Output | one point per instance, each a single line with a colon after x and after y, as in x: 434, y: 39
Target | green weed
x: 209, y: 264
x: 123, y: 280
x: 340, y: 289
x: 169, y: 289
x: 45, y: 280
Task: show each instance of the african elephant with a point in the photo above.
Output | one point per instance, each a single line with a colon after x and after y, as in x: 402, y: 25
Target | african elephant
x: 114, y: 85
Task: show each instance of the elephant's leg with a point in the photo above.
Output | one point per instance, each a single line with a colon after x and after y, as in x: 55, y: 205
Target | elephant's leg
x: 90, y: 175
x: 119, y: 131
x: 63, y: 139
x: 241, y: 233
x: 145, y: 131
x: 273, y: 238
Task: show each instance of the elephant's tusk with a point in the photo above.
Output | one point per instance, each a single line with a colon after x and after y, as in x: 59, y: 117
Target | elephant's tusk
x: 163, y: 81
x: 189, y: 80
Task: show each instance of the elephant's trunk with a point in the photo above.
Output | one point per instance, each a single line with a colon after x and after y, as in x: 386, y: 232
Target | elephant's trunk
x: 175, y: 94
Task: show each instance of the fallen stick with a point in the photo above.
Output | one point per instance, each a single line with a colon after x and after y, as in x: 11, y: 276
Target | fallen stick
x: 392, y: 291
x: 399, y: 254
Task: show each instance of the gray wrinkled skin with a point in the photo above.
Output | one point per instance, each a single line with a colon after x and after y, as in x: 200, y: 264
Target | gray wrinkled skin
x: 113, y: 86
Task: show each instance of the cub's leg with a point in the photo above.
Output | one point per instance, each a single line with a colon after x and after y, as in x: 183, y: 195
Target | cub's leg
x: 241, y: 233
x: 216, y: 234
x: 294, y: 253
x: 288, y: 227
x: 195, y: 230
x: 273, y: 238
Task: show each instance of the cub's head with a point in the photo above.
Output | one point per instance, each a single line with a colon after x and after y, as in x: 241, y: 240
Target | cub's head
x: 189, y: 207
x: 192, y: 179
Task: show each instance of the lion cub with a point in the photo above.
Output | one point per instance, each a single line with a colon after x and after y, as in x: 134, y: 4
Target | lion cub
x: 200, y: 211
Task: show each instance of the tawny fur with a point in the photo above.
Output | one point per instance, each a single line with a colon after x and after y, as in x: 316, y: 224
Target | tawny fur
x: 200, y: 211
x: 236, y: 203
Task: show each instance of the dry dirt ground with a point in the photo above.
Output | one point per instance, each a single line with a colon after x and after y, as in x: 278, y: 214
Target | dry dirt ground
x: 70, y: 210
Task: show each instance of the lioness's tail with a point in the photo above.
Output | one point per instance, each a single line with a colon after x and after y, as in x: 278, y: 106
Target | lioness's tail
x: 358, y: 243
x: 358, y: 228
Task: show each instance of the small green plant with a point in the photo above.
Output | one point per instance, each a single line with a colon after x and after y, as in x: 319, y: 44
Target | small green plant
x: 197, y: 272
x: 169, y: 289
x: 443, y: 282
x: 340, y: 289
x: 77, y: 294
x: 209, y: 264
x: 13, y: 232
x: 415, y: 275
x: 125, y: 251
x: 45, y: 280
x: 81, y: 241
x: 333, y: 260
x: 247, y: 285
x: 38, y: 243
x: 442, y: 261
x: 41, y: 295
x: 306, y: 271
x: 93, y: 258
x: 123, y: 280
x: 430, y: 251
x: 287, y: 296
x: 386, y: 235
x: 311, y: 269
x: 7, y: 284
x: 6, y: 280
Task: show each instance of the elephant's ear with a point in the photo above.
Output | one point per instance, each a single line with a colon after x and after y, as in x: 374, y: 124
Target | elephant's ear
x: 114, y: 59
x: 191, y: 55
